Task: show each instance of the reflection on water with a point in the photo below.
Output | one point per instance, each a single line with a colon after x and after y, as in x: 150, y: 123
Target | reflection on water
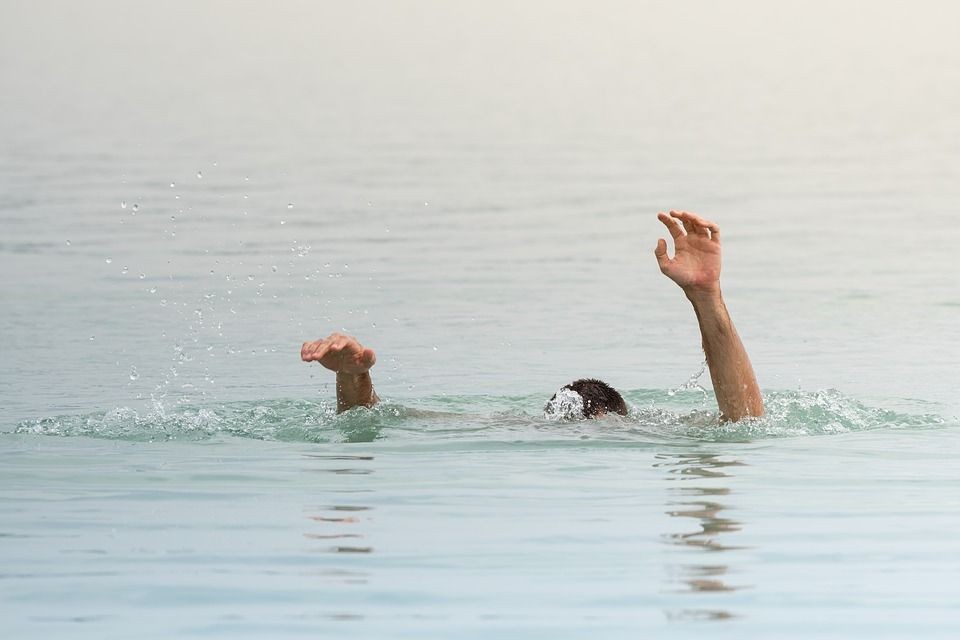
x: 706, y: 503
x: 340, y: 524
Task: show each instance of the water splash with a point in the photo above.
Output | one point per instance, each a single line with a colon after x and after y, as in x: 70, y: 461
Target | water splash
x: 656, y: 418
x: 692, y: 383
x: 282, y: 420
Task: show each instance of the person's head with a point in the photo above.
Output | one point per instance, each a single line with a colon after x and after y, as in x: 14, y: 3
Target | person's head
x: 585, y: 398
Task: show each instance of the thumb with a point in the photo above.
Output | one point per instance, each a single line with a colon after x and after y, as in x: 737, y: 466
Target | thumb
x: 661, y: 253
x: 368, y: 358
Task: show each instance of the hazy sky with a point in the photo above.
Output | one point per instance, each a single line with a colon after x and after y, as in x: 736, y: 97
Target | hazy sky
x: 498, y: 66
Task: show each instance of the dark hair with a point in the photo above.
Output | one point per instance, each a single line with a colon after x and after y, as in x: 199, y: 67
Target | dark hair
x: 598, y: 397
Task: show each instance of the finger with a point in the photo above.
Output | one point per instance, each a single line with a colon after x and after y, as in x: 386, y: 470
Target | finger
x: 307, y: 349
x: 672, y: 225
x: 323, y: 348
x: 341, y: 343
x: 368, y: 358
x: 661, y: 253
x: 675, y: 220
x: 714, y: 229
x: 700, y: 220
x: 692, y: 228
x: 320, y: 352
x: 690, y: 223
x: 707, y: 225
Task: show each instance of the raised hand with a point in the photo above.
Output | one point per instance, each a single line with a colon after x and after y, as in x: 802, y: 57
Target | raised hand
x: 340, y: 353
x: 695, y: 265
x: 352, y: 362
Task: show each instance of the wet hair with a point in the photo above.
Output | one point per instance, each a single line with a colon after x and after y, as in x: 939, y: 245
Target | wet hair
x: 598, y: 397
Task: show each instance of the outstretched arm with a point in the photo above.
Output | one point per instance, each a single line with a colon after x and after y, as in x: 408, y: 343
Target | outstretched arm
x: 695, y: 266
x: 352, y: 362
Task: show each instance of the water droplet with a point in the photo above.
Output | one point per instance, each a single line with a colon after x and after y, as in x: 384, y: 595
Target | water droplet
x: 134, y: 374
x: 142, y: 276
x: 135, y: 207
x: 434, y: 348
x: 153, y: 289
x: 173, y: 218
x: 123, y: 204
x: 199, y: 175
x: 173, y: 184
x: 250, y: 278
x: 274, y: 268
x: 124, y: 270
x: 283, y: 222
x: 92, y: 338
x: 108, y: 260
x: 346, y: 266
x: 289, y: 205
x: 426, y: 204
x: 163, y: 302
x: 300, y: 249
x: 68, y: 243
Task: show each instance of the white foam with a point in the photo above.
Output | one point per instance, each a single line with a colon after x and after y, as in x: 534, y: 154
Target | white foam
x: 567, y: 404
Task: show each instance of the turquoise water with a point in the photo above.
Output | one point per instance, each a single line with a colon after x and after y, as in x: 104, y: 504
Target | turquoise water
x: 244, y: 519
x: 279, y: 518
x: 668, y: 417
x: 189, y: 192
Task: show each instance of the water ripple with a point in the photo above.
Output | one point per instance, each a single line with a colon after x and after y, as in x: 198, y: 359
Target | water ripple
x: 658, y: 417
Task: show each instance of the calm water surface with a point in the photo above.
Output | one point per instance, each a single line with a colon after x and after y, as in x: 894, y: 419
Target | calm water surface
x: 187, y: 193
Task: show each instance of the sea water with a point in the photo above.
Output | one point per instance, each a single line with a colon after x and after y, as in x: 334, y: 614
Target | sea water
x: 189, y: 192
x: 280, y: 518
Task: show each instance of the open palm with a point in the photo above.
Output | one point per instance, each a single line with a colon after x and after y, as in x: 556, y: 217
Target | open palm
x: 697, y: 256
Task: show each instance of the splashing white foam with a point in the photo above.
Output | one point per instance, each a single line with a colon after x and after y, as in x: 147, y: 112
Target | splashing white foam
x: 566, y: 404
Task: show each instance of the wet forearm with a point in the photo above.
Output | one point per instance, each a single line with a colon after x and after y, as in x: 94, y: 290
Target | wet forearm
x: 734, y: 382
x: 355, y: 390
